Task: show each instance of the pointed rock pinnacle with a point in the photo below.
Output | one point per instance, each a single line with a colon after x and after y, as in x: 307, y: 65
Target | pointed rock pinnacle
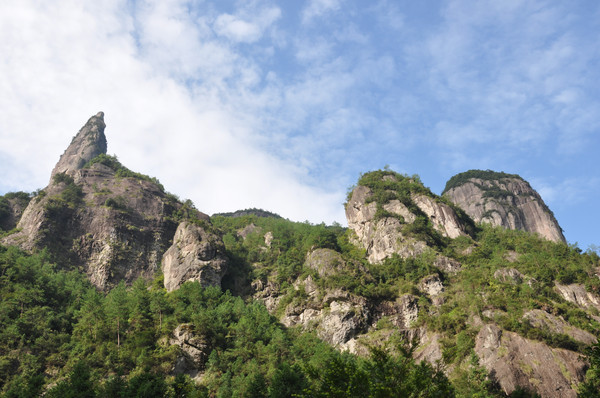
x: 86, y: 145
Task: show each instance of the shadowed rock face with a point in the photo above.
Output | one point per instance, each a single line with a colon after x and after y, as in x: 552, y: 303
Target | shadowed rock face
x: 504, y: 200
x: 111, y: 227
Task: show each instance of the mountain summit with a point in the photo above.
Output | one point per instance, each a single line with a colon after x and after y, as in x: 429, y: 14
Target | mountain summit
x: 115, y: 224
x: 86, y: 145
x: 505, y: 200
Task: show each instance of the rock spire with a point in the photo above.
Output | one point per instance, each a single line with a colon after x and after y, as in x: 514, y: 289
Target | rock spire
x: 89, y: 142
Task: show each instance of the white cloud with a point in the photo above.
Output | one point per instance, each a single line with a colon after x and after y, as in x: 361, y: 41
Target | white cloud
x: 318, y: 8
x: 67, y: 62
x: 238, y: 29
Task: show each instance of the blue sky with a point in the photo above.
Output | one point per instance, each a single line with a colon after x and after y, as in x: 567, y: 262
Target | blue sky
x: 281, y: 105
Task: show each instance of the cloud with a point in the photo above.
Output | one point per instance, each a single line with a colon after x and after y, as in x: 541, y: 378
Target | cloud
x: 511, y: 74
x: 171, y: 91
x: 318, y: 8
x: 239, y: 30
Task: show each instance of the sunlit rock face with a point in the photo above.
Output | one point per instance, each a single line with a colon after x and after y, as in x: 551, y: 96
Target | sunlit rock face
x: 380, y: 228
x: 380, y: 237
x: 196, y: 255
x: 504, y: 200
x: 86, y: 145
x: 515, y: 361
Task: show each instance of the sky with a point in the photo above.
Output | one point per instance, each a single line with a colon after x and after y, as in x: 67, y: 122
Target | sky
x: 282, y: 105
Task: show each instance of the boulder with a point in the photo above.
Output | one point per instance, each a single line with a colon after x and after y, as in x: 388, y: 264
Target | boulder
x: 194, y: 351
x: 196, y: 255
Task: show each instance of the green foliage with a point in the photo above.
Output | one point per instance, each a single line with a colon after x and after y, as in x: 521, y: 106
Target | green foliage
x: 382, y: 374
x: 590, y: 388
x: 116, y: 203
x: 20, y: 198
x: 121, y: 171
x: 37, y: 314
x: 486, y: 175
x: 70, y: 196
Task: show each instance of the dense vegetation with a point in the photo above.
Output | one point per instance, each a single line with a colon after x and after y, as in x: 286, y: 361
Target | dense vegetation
x: 56, y: 327
x: 19, y: 199
x: 59, y: 335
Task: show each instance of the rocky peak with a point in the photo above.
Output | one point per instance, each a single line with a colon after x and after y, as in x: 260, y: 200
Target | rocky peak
x: 89, y: 142
x: 112, y: 227
x: 503, y: 199
x: 395, y: 214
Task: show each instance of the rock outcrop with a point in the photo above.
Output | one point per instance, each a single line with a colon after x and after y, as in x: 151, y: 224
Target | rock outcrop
x: 381, y: 227
x: 514, y: 361
x: 337, y: 317
x: 12, y: 206
x: 442, y: 216
x: 505, y: 200
x: 196, y: 255
x: 557, y: 325
x: 86, y: 145
x: 577, y: 294
x: 109, y: 222
x: 194, y: 351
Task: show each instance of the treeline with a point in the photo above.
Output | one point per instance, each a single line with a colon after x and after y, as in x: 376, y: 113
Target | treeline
x: 61, y: 337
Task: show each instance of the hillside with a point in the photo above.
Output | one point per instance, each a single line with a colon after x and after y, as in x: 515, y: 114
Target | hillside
x: 111, y: 286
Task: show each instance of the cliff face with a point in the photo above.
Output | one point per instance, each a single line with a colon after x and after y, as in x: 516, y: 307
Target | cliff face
x: 397, y: 216
x: 86, y: 145
x: 503, y: 200
x: 111, y: 223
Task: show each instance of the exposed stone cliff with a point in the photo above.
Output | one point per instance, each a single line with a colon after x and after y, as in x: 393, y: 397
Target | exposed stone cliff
x: 398, y: 215
x: 196, y: 255
x: 503, y: 200
x: 104, y: 219
x: 86, y: 145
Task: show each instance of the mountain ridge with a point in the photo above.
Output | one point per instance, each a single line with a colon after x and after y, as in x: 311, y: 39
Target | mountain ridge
x: 412, y: 266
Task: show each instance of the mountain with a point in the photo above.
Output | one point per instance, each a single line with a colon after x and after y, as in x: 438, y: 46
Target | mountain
x: 112, y: 285
x: 504, y: 200
x: 100, y: 217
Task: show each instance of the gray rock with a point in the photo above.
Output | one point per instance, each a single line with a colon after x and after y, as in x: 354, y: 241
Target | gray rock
x: 576, y: 293
x: 118, y: 230
x: 447, y: 264
x: 518, y: 362
x: 194, y: 351
x: 86, y: 145
x: 543, y: 320
x: 509, y: 275
x: 381, y: 238
x: 520, y: 206
x: 442, y: 216
x: 325, y: 261
x: 196, y: 255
